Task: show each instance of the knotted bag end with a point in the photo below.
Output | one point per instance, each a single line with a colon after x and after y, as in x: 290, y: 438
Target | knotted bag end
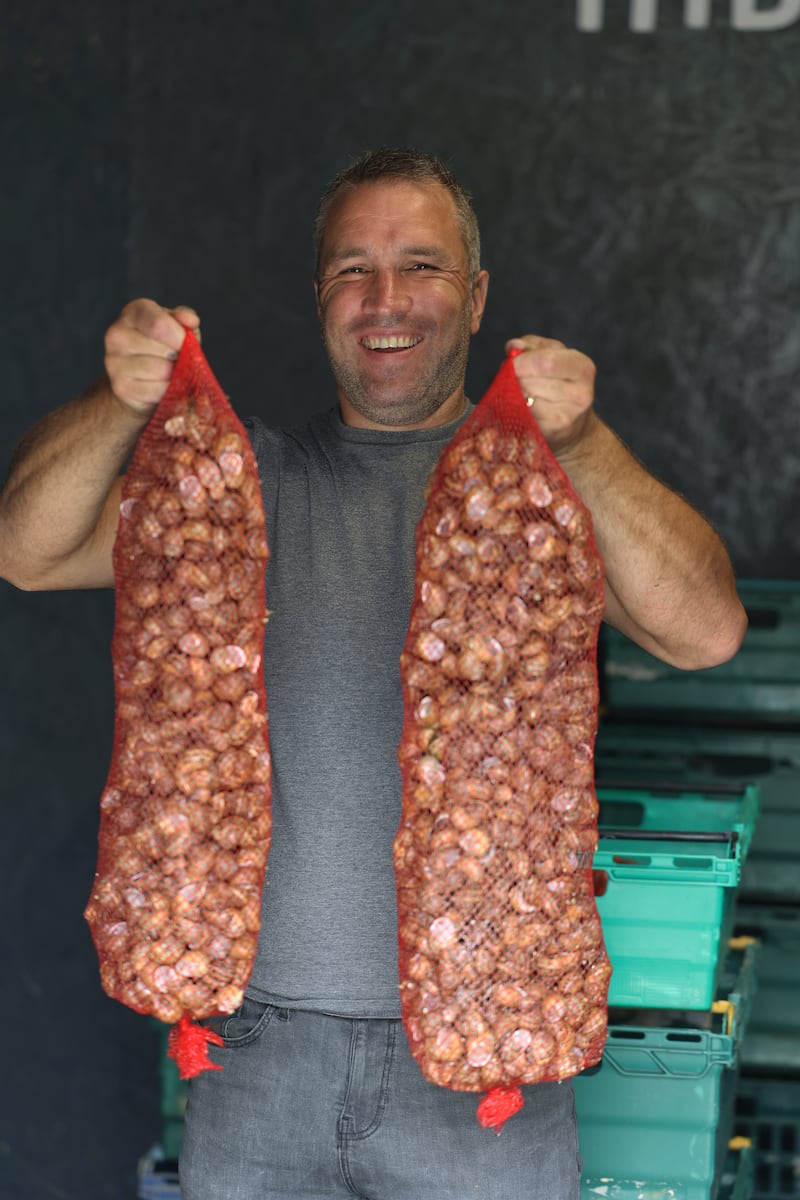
x: 188, y: 1045
x: 498, y: 1105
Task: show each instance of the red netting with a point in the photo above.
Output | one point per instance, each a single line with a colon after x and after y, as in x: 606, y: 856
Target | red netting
x: 504, y: 974
x: 185, y: 816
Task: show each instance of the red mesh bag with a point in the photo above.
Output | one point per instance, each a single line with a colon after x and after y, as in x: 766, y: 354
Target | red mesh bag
x: 503, y: 970
x: 185, y: 816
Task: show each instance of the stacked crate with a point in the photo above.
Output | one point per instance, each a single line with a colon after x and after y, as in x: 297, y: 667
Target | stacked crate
x: 656, y: 1119
x: 720, y: 731
x: 157, y: 1177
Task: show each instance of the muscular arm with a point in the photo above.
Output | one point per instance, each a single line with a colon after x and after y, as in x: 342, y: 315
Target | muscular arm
x: 669, y: 582
x: 59, y: 508
x: 670, y: 585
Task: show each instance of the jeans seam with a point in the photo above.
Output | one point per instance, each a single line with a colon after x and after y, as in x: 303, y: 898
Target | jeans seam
x: 344, y: 1124
x: 253, y: 1034
x: 380, y: 1108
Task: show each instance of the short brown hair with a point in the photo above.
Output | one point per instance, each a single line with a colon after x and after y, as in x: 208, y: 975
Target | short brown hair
x: 401, y: 162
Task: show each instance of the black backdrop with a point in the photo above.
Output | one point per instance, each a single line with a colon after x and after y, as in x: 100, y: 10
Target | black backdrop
x: 639, y: 191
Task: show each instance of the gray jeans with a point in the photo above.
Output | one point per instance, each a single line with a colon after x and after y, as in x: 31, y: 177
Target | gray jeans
x: 328, y: 1108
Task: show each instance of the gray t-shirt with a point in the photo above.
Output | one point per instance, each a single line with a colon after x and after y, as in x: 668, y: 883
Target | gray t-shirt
x: 342, y: 506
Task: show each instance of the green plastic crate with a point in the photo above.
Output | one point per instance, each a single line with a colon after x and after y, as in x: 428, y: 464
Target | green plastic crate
x: 704, y: 758
x: 760, y: 683
x: 772, y: 869
x: 707, y: 751
x: 657, y: 1114
x: 736, y: 1183
x: 738, y: 1173
x: 772, y: 1041
x: 173, y: 1100
x: 717, y: 808
x: 767, y: 1111
x: 666, y: 910
x: 157, y: 1177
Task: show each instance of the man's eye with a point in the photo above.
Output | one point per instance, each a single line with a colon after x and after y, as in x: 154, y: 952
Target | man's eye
x: 423, y: 266
x: 353, y: 271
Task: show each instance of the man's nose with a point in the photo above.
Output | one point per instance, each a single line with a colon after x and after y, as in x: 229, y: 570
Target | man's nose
x: 388, y: 292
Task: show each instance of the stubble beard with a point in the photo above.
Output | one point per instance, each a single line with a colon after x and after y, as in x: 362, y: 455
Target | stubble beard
x: 386, y: 405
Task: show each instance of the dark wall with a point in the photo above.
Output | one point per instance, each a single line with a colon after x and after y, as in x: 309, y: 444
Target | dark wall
x: 640, y: 199
x: 78, y: 1083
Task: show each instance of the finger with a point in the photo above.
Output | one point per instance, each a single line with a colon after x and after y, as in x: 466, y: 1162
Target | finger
x: 189, y: 319
x: 151, y: 320
x: 546, y: 395
x: 531, y: 341
x: 187, y: 316
x: 554, y: 362
x: 139, y: 381
x: 138, y: 393
x: 123, y: 341
x: 149, y: 368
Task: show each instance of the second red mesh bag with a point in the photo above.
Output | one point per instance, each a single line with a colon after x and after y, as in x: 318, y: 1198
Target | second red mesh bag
x: 503, y: 970
x: 185, y: 816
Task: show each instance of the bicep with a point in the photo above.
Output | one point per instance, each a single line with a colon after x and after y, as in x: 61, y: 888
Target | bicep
x: 91, y: 565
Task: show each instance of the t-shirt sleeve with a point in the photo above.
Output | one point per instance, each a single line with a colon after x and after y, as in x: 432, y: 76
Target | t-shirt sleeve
x: 267, y: 449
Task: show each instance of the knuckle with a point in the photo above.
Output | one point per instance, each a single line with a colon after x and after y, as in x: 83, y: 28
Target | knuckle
x: 113, y: 340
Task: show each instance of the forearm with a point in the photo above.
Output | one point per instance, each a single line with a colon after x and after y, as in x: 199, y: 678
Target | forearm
x: 669, y: 581
x: 59, y: 506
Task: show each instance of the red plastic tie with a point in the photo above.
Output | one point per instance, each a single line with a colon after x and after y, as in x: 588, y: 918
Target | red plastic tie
x: 188, y: 1045
x: 498, y: 1105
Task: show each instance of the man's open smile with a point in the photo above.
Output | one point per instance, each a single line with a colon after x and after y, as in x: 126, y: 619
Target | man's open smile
x: 392, y: 342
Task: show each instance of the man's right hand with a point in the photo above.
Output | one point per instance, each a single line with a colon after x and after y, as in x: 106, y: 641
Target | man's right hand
x: 140, y: 352
x: 59, y: 507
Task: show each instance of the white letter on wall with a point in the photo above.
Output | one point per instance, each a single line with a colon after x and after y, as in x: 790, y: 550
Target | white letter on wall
x: 590, y: 15
x: 644, y: 15
x: 745, y: 14
x: 698, y: 14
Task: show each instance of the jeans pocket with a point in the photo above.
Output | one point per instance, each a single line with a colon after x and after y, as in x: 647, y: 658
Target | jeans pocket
x: 243, y: 1026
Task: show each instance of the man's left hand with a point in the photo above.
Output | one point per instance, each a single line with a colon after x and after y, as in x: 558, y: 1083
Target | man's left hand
x: 561, y: 383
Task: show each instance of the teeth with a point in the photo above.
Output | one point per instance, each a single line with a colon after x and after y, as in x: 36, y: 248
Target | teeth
x: 390, y: 343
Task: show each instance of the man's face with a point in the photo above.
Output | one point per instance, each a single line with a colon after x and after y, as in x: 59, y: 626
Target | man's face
x: 396, y: 304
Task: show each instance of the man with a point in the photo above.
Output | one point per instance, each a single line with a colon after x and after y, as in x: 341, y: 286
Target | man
x: 319, y: 1096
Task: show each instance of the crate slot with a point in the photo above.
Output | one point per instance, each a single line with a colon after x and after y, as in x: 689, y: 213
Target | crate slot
x: 767, y: 1111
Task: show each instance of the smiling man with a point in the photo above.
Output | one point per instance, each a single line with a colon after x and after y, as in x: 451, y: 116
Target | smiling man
x: 319, y: 1096
x: 399, y: 297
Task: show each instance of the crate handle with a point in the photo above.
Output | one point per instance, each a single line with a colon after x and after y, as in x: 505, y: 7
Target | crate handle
x: 710, y: 789
x: 731, y: 836
x: 728, y: 1010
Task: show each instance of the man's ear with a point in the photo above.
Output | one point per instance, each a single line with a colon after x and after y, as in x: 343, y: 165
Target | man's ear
x: 480, y: 288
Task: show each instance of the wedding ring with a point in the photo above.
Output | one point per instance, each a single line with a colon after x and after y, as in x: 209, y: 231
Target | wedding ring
x: 530, y: 401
